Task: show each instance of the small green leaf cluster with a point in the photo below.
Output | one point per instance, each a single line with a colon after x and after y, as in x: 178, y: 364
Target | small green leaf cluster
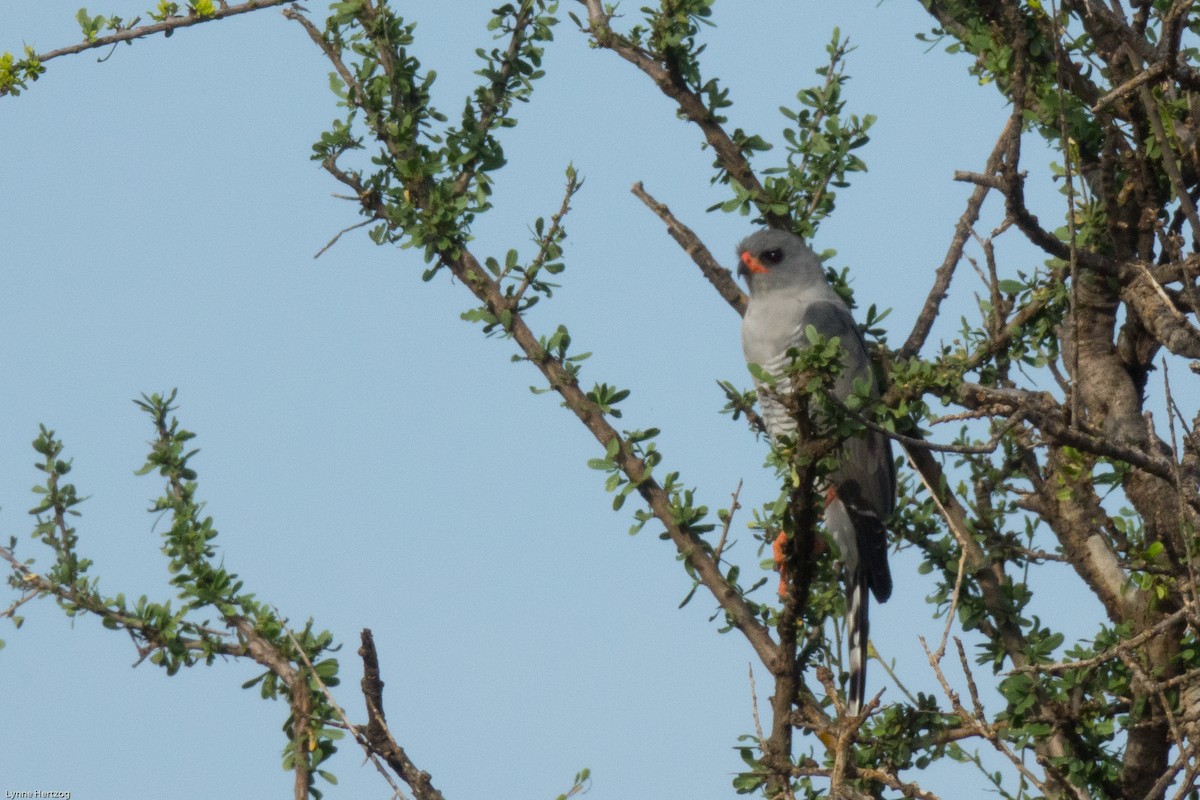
x: 509, y: 75
x: 1089, y: 218
x: 16, y: 73
x: 913, y: 378
x: 164, y: 11
x: 202, y: 8
x: 1034, y: 342
x: 606, y: 398
x: 582, y: 782
x: 755, y: 778
x: 810, y: 369
x: 524, y: 285
x: 1045, y: 105
x: 820, y: 153
x: 739, y: 402
x: 165, y: 634
x: 669, y: 35
x: 641, y: 444
x: 908, y: 736
x: 557, y: 346
x: 57, y: 505
x: 93, y: 26
x: 820, y: 147
x: 90, y: 26
x: 188, y: 543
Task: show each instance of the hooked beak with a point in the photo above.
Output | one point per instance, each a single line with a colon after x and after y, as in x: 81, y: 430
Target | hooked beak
x: 750, y: 264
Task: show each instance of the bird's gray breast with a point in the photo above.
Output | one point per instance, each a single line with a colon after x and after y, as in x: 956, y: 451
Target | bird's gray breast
x: 773, y: 325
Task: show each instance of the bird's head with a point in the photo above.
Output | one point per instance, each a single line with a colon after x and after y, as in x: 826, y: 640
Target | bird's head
x: 769, y: 259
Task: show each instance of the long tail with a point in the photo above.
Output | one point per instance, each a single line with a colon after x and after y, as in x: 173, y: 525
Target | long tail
x: 857, y: 630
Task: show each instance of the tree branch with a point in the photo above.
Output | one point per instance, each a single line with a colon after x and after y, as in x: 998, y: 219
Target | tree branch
x: 167, y: 26
x: 962, y: 232
x: 691, y: 105
x: 377, y: 733
x: 720, y: 277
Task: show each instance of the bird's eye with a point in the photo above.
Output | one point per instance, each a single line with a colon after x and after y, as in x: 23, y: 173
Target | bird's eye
x: 772, y: 256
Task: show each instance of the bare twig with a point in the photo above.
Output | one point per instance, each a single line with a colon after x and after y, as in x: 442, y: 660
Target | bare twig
x: 962, y: 231
x: 758, y: 730
x: 958, y: 581
x: 10, y: 612
x: 379, y: 736
x: 339, y: 234
x: 1181, y: 506
x: 356, y: 730
x: 1131, y: 85
x: 976, y: 719
x: 733, y: 507
x: 1031, y: 227
x: 892, y: 782
x: 721, y: 278
x: 895, y: 678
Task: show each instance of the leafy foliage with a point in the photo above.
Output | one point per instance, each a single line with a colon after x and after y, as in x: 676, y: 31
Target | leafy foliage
x: 178, y: 635
x: 1077, y: 473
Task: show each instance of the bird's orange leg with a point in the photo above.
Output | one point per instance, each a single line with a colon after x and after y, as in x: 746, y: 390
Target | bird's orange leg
x: 778, y: 552
x: 779, y: 555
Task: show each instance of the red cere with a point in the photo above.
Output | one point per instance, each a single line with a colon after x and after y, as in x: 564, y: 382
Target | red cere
x: 753, y: 264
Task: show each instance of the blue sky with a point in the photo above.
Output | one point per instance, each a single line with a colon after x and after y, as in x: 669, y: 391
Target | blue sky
x: 373, y: 461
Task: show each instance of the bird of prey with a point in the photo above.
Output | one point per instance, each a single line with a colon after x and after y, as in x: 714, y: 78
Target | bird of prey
x: 789, y: 292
